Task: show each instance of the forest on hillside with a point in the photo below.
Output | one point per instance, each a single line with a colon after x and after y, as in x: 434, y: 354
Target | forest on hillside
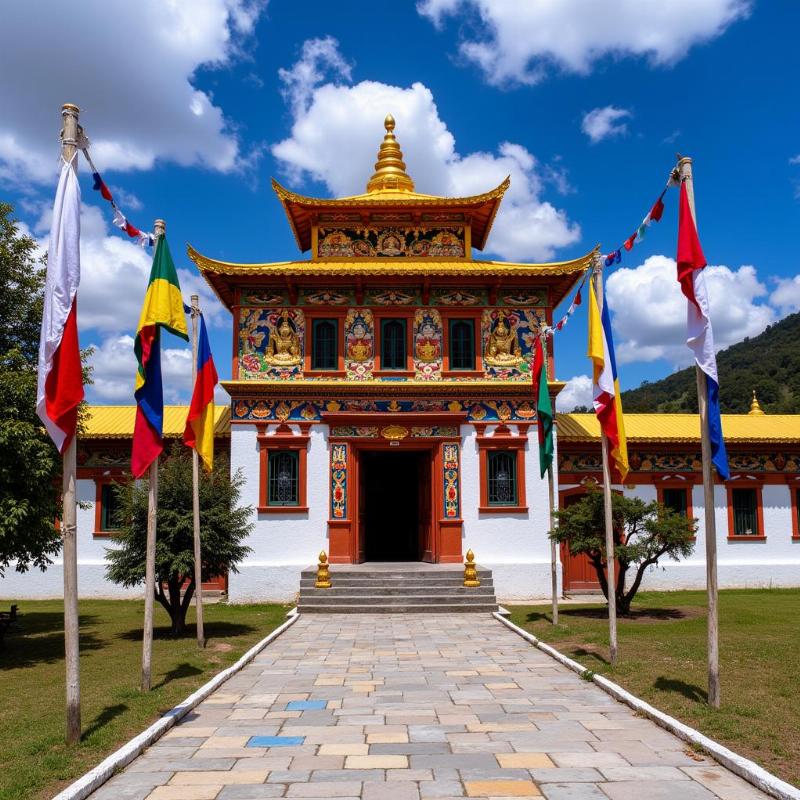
x: 768, y: 363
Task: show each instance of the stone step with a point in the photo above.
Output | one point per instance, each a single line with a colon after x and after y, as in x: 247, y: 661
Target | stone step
x: 396, y: 585
x: 407, y: 608
x: 439, y: 591
x: 381, y: 599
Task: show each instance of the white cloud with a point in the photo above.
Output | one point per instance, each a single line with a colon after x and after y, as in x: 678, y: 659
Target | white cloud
x: 114, y: 369
x: 577, y: 392
x: 521, y: 42
x: 787, y: 296
x: 795, y: 159
x: 331, y: 118
x: 320, y: 58
x: 601, y: 123
x: 129, y: 66
x: 649, y: 311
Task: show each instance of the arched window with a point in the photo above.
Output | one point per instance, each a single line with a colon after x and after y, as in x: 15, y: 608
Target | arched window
x: 502, y: 478
x: 393, y: 344
x: 324, y: 345
x: 282, y: 477
x: 462, y: 344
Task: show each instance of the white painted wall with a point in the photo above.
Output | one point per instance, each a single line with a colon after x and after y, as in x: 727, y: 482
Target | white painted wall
x: 740, y: 564
x: 515, y: 546
x: 92, y: 582
x: 282, y: 544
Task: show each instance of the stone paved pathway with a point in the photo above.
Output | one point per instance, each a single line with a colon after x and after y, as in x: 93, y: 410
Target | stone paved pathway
x: 403, y: 707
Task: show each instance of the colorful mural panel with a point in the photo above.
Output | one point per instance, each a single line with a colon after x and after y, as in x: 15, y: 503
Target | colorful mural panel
x: 359, y: 344
x: 339, y: 481
x: 263, y: 297
x: 450, y: 469
x: 325, y: 297
x: 249, y: 409
x: 508, y: 336
x: 388, y: 296
x: 427, y: 344
x: 644, y: 461
x: 444, y: 242
x: 459, y: 297
x: 271, y: 343
x: 525, y: 297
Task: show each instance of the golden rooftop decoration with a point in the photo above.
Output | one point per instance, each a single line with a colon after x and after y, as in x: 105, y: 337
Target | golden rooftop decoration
x: 390, y: 170
x: 755, y: 408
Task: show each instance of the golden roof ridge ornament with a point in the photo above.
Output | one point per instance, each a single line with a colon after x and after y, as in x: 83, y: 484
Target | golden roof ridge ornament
x: 755, y: 408
x: 390, y: 169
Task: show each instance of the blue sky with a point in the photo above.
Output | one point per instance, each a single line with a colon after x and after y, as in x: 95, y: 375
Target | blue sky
x: 192, y: 108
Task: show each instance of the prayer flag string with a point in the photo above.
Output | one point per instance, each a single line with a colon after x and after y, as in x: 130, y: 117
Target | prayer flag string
x: 120, y: 220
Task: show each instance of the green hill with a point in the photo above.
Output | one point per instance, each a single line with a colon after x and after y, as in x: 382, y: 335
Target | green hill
x: 768, y: 363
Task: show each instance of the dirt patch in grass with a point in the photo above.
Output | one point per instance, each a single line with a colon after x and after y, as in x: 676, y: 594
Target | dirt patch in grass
x: 662, y: 659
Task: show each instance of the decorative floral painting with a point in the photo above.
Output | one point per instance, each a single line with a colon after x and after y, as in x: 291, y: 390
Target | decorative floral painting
x: 427, y: 344
x: 271, y: 343
x: 458, y: 297
x: 263, y: 297
x: 359, y: 344
x: 324, y: 297
x: 524, y: 324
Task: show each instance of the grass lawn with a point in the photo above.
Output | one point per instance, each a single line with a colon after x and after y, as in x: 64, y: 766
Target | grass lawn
x: 662, y: 659
x: 34, y: 761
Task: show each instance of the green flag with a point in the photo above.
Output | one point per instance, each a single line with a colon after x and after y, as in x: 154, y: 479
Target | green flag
x: 544, y: 409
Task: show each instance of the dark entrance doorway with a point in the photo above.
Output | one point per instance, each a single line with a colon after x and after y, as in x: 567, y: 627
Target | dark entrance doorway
x: 395, y: 505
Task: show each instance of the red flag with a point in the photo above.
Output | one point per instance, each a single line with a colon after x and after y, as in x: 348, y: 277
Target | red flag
x: 690, y: 253
x: 658, y: 209
x: 629, y: 242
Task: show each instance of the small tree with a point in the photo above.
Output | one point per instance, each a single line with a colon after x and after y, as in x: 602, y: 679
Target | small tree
x: 223, y: 528
x: 643, y: 534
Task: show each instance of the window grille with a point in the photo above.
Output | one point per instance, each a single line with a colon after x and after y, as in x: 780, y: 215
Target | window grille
x: 109, y: 508
x: 676, y: 500
x: 283, y: 478
x: 324, y: 350
x: 745, y: 516
x: 462, y: 344
x: 502, y: 477
x: 393, y: 344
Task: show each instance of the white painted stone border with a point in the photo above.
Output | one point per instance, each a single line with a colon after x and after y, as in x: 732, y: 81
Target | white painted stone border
x: 743, y: 767
x: 112, y: 764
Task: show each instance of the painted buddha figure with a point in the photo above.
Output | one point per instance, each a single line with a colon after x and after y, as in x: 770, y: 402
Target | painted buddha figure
x: 283, y: 349
x: 502, y: 349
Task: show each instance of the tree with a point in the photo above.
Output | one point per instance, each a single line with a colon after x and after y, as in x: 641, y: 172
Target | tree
x: 30, y: 466
x: 643, y: 534
x: 223, y: 528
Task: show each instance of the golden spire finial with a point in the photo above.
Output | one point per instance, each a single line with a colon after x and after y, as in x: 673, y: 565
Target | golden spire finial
x: 755, y: 408
x: 390, y: 170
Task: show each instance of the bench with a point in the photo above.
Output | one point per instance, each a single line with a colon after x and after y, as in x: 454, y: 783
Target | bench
x: 7, y: 619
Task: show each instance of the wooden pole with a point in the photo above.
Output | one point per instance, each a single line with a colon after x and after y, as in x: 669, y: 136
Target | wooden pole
x: 607, y: 509
x: 150, y: 552
x: 551, y: 493
x: 553, y: 551
x: 69, y: 514
x: 710, y: 525
x: 198, y: 564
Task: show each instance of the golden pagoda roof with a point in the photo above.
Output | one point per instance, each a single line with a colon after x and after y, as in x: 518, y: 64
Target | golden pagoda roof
x: 116, y: 422
x: 685, y: 428
x: 390, y: 187
x: 222, y: 275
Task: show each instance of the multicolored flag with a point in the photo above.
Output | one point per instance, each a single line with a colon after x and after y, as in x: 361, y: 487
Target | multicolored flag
x: 605, y: 385
x: 60, y: 386
x: 163, y: 308
x: 544, y: 408
x: 700, y: 339
x: 199, y: 431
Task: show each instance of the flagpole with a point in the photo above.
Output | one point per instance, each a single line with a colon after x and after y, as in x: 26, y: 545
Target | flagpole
x: 710, y: 525
x: 69, y: 137
x: 150, y: 552
x: 607, y: 512
x: 198, y: 564
x: 551, y: 493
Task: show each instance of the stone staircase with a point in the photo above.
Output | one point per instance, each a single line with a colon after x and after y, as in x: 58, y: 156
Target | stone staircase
x: 396, y: 588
